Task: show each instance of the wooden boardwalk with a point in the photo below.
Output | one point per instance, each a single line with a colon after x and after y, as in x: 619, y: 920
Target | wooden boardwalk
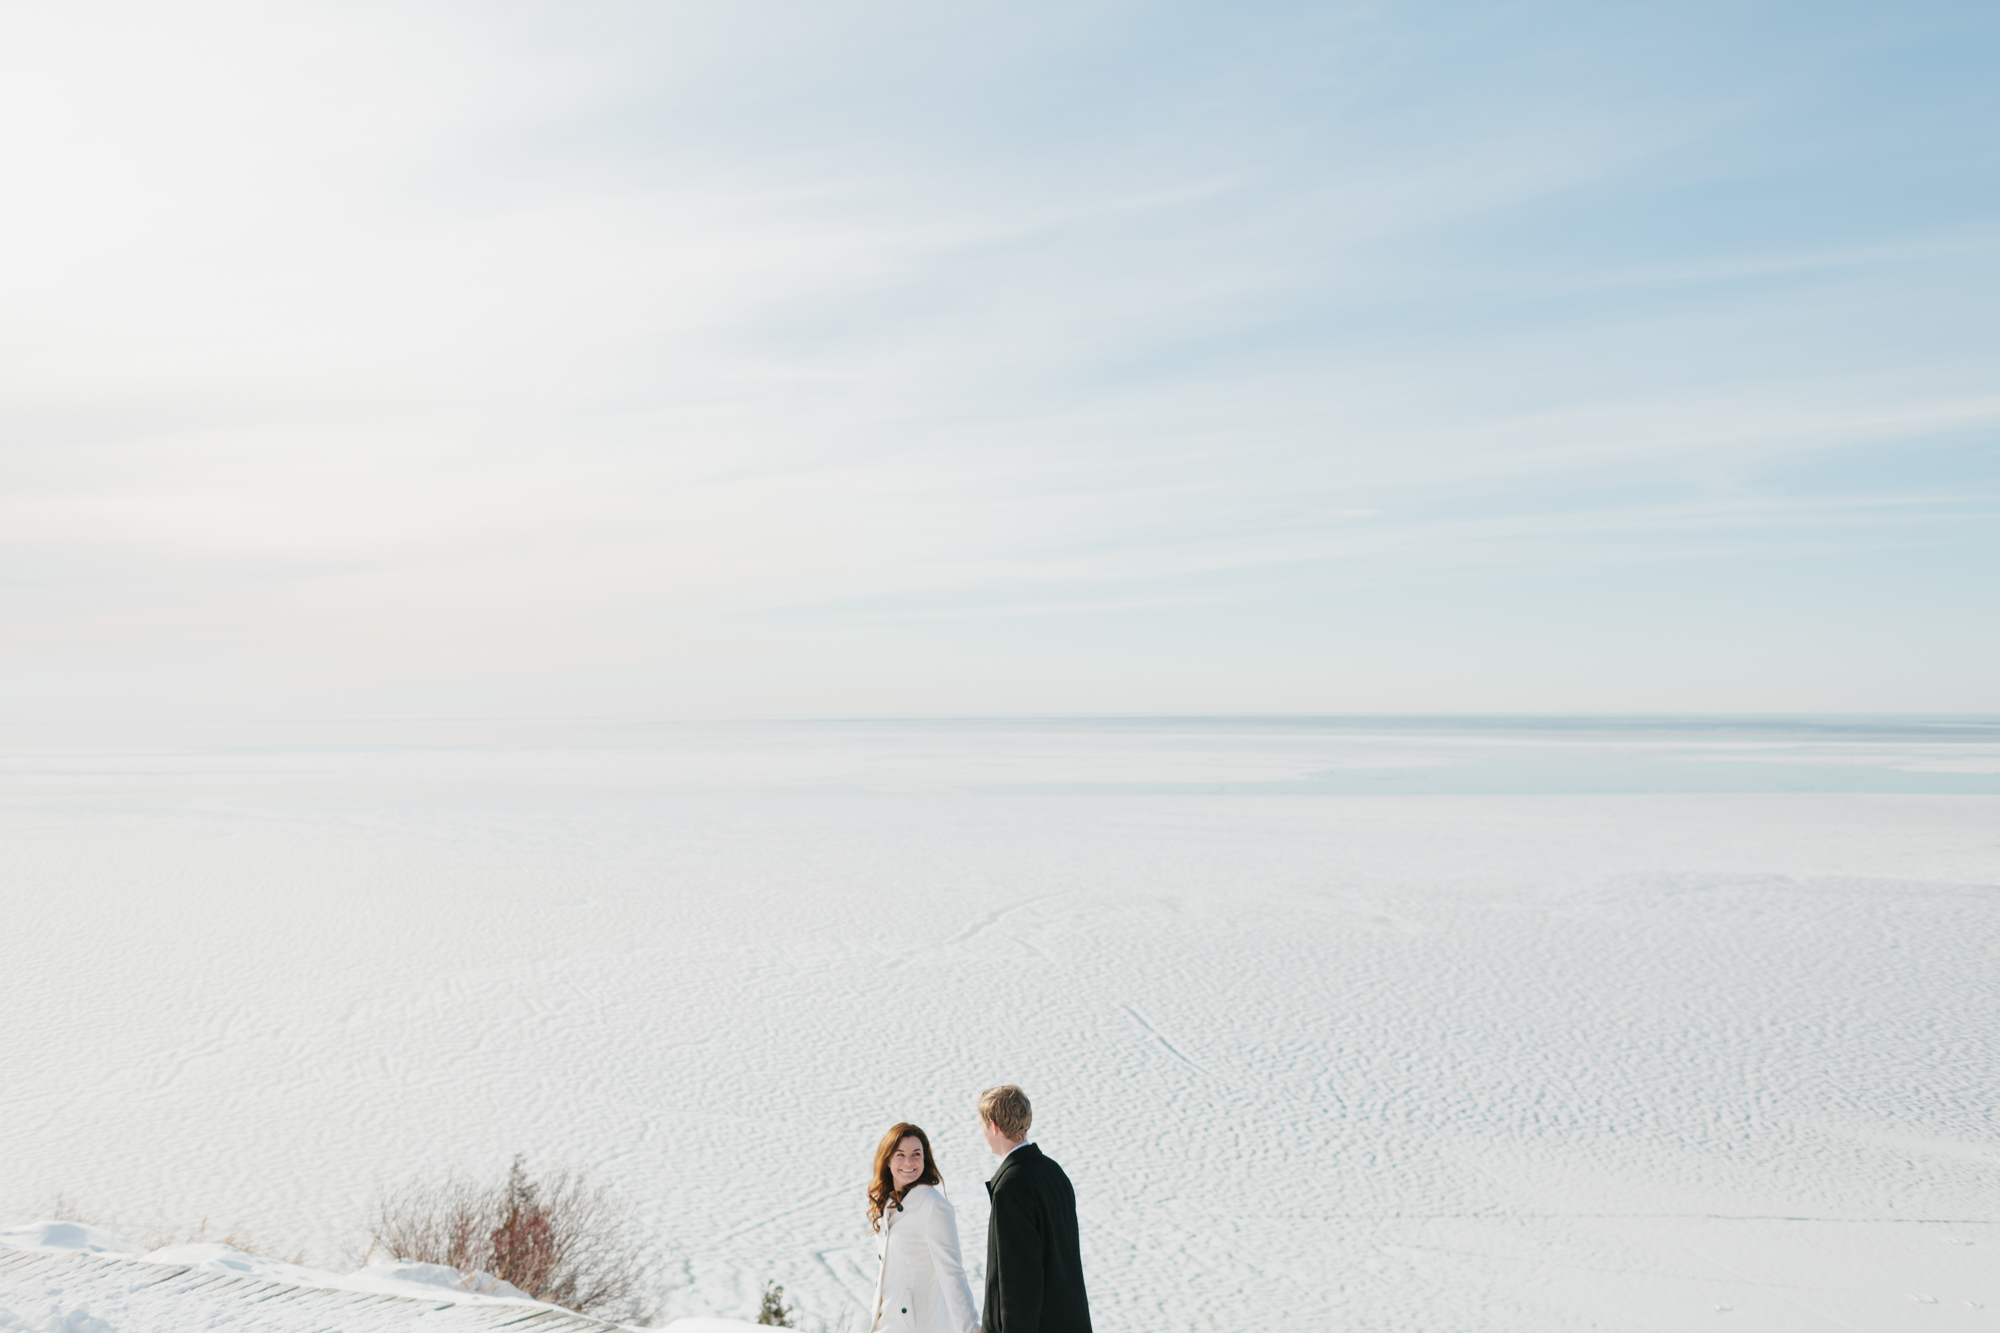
x: 133, y: 1296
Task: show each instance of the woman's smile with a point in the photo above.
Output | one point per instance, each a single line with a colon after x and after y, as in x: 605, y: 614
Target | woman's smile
x: 907, y: 1162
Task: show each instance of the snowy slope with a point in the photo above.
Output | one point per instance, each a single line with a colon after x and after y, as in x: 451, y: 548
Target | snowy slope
x: 1463, y: 1061
x: 77, y: 1292
x: 63, y: 1277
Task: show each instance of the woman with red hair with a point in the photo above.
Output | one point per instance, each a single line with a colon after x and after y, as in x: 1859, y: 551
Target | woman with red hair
x: 921, y: 1286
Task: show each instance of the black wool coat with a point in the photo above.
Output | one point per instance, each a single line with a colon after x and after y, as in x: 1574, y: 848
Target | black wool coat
x: 1034, y: 1273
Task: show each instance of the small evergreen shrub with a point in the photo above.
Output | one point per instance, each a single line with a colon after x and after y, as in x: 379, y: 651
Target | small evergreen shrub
x: 774, y: 1311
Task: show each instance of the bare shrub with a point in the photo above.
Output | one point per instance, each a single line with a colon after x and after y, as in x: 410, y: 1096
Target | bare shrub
x: 774, y: 1311
x: 63, y: 1208
x: 560, y: 1239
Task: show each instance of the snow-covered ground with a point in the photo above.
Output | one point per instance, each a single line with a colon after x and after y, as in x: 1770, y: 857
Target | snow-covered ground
x: 64, y: 1277
x: 385, y: 1277
x: 1712, y: 1050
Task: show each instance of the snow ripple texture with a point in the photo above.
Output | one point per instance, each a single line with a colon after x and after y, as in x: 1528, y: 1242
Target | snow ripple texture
x: 1453, y: 1063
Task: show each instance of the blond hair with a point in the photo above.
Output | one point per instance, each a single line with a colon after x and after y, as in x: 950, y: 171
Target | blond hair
x: 1006, y: 1109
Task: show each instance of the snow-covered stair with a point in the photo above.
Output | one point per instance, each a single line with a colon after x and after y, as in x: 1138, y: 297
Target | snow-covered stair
x: 92, y: 1293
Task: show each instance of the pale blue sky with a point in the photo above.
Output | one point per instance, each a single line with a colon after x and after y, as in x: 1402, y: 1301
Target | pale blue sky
x: 688, y: 359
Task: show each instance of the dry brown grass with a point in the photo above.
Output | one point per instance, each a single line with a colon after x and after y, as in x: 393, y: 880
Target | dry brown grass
x: 158, y: 1236
x: 235, y: 1237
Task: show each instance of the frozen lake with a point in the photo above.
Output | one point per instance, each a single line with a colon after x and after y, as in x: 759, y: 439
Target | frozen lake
x: 1366, y: 1025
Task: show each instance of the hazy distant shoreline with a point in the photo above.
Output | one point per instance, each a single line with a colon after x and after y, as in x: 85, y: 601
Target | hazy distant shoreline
x: 1216, y: 755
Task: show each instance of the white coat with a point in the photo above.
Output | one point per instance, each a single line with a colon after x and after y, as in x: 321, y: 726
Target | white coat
x: 921, y: 1286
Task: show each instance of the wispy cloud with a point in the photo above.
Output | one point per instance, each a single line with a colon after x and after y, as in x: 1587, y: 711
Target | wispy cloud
x: 683, y: 346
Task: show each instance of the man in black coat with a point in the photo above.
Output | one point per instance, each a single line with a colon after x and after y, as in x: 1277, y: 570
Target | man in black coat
x: 1034, y: 1272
